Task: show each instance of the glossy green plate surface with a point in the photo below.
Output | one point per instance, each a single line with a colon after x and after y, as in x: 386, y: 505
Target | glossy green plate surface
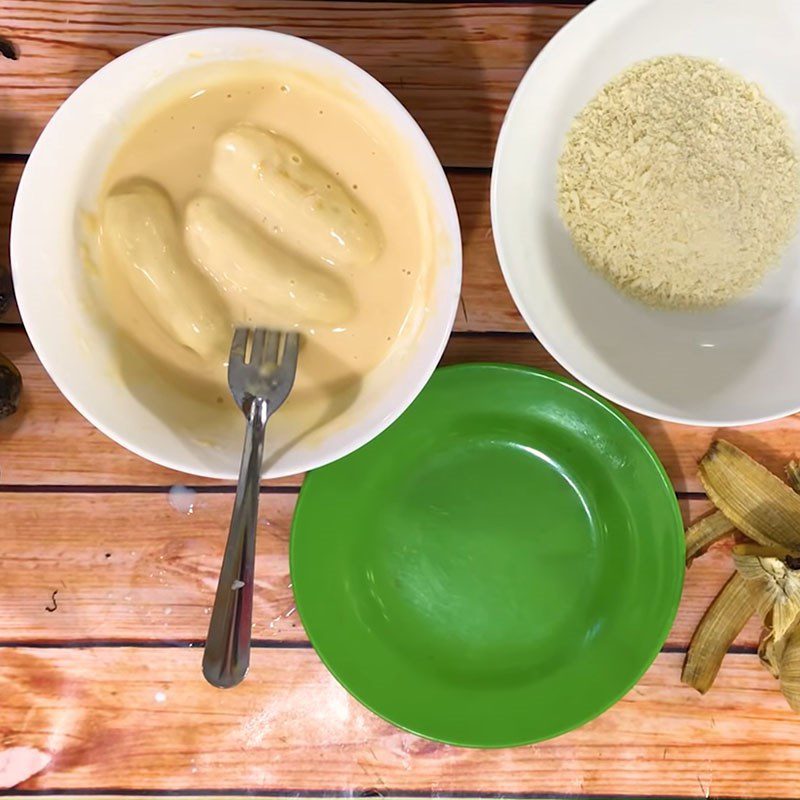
x: 498, y: 567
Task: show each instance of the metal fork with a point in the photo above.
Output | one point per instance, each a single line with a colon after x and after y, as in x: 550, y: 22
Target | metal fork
x: 261, y: 372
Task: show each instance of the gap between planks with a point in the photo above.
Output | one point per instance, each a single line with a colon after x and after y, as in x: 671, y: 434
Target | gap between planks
x: 170, y: 644
x: 384, y: 794
x: 455, y: 169
x: 226, y: 488
x: 259, y: 644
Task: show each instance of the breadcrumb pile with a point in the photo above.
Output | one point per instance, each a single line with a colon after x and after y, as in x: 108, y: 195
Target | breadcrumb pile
x: 680, y: 183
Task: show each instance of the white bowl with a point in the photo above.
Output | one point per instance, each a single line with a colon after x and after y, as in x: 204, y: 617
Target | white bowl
x: 63, y: 176
x: 731, y: 366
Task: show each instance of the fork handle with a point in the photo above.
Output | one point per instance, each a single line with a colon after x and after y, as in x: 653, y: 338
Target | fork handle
x: 227, y: 651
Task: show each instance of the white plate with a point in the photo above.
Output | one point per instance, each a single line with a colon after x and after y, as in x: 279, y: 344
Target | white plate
x: 730, y: 366
x: 62, y: 177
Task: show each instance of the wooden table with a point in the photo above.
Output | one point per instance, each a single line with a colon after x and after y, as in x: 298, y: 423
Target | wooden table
x: 106, y: 587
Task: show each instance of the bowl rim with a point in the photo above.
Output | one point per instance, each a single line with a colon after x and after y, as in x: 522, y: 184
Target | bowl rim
x: 435, y: 177
x: 549, y: 53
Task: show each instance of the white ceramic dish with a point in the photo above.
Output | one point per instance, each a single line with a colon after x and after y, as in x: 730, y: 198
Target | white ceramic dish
x: 63, y: 176
x: 730, y: 366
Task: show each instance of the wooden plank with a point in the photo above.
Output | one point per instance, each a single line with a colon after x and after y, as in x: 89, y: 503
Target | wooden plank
x: 47, y: 442
x: 453, y: 66
x: 46, y: 421
x: 486, y: 303
x: 129, y: 567
x: 144, y: 719
x: 133, y: 566
x: 10, y: 172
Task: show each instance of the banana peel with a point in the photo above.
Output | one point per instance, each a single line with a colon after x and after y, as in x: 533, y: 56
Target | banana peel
x: 789, y: 668
x: 701, y: 535
x: 782, y: 659
x: 793, y: 475
x: 775, y: 586
x: 721, y: 624
x: 755, y: 501
x: 769, y: 652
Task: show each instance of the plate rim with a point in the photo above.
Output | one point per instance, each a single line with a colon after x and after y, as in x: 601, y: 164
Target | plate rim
x: 664, y: 481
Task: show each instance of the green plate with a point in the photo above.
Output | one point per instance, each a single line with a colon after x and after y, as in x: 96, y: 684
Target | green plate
x: 498, y: 567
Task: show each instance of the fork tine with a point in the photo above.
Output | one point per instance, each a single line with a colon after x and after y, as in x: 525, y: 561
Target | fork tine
x: 260, y: 335
x: 239, y: 344
x: 273, y: 340
x: 290, y: 348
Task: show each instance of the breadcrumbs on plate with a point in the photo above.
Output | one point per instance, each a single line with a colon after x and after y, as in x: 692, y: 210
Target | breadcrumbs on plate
x: 680, y: 183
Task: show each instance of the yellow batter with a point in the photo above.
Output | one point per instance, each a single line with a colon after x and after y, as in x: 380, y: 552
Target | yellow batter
x: 249, y: 194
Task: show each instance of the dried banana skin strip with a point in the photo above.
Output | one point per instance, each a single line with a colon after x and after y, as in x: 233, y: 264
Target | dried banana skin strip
x: 141, y: 233
x: 768, y: 652
x: 782, y: 659
x: 793, y: 475
x: 721, y: 624
x: 701, y: 535
x: 756, y: 502
x: 752, y: 500
x: 289, y: 194
x: 776, y: 587
x: 789, y: 668
x: 715, y: 526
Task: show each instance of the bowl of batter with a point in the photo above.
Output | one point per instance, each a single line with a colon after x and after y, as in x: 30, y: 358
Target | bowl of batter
x: 235, y: 177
